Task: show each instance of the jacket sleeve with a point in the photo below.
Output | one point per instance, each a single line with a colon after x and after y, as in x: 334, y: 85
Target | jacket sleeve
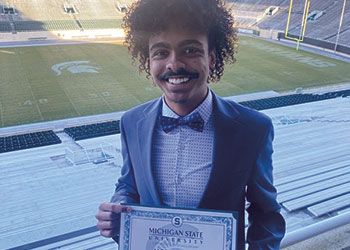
x: 126, y: 190
x: 266, y: 225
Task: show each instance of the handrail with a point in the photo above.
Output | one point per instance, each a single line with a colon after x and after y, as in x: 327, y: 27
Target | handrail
x: 315, y: 229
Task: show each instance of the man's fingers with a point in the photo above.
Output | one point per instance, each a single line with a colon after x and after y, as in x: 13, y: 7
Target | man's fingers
x: 107, y: 206
x: 106, y: 216
x: 117, y: 208
x: 113, y: 207
x: 107, y: 233
x: 106, y: 225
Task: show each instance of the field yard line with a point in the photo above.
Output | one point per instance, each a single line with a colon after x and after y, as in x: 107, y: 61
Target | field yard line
x: 36, y: 103
x: 70, y: 100
x: 102, y: 98
x: 1, y: 115
x: 30, y: 87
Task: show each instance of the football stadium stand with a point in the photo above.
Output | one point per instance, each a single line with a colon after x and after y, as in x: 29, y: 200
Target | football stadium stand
x: 26, y: 141
x: 23, y: 26
x: 5, y: 26
x: 311, y: 173
x: 93, y: 130
x: 100, y: 23
x: 41, y: 15
x: 109, y: 128
x: 96, y: 9
x: 287, y: 100
x: 252, y: 14
x: 82, y: 132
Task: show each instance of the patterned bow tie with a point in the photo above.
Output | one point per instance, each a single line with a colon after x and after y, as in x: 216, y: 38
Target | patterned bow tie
x: 194, y: 121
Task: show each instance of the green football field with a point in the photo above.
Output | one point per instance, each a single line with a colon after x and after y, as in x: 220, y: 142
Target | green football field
x: 54, y: 82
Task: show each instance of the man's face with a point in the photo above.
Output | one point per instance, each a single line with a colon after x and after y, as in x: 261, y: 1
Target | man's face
x: 180, y: 63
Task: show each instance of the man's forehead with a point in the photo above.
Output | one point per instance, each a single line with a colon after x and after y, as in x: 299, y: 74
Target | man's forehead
x: 183, y: 43
x: 174, y: 37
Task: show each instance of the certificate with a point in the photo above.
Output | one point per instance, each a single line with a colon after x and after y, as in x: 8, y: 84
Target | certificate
x: 150, y: 228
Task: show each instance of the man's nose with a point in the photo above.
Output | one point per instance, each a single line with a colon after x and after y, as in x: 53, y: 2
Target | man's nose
x: 174, y: 62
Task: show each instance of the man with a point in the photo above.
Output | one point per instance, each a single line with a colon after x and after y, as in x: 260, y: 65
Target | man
x: 190, y: 148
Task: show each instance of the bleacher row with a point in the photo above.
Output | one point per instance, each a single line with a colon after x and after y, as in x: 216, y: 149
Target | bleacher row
x: 251, y: 14
x: 293, y: 99
x: 25, y: 141
x: 40, y: 15
x: 93, y: 130
x: 27, y: 26
x: 5, y: 26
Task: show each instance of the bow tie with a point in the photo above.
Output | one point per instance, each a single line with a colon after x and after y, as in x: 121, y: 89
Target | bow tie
x: 194, y: 121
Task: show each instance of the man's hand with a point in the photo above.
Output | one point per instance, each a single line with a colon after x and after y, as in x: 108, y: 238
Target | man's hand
x: 108, y: 217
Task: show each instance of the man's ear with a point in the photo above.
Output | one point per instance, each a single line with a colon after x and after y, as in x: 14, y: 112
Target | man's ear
x: 212, y: 59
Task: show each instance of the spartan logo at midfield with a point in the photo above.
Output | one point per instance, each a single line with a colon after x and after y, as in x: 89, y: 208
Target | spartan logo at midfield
x: 74, y: 67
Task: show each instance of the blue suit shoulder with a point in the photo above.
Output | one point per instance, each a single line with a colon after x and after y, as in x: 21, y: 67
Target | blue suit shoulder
x: 249, y: 118
x: 138, y: 111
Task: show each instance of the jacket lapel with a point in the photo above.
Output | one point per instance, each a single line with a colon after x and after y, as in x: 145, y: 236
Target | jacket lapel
x: 145, y: 130
x: 226, y: 132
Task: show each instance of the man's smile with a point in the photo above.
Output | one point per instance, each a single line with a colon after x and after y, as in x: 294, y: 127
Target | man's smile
x: 181, y: 76
x: 178, y: 80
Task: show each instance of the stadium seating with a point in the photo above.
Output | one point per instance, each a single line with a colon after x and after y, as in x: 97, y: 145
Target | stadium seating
x: 28, y: 26
x: 5, y: 26
x: 97, y: 9
x: 93, y: 130
x: 40, y: 15
x: 324, y: 28
x: 40, y: 10
x: 26, y: 141
x: 38, y: 139
x: 329, y: 21
x: 23, y: 26
x: 100, y: 24
x: 61, y: 25
x: 344, y: 38
x: 287, y: 100
x: 112, y: 127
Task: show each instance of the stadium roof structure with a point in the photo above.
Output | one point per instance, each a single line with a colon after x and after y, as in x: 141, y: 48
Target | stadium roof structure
x: 50, y: 203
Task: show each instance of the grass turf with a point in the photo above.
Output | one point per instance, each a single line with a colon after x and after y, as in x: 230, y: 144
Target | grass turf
x: 31, y: 91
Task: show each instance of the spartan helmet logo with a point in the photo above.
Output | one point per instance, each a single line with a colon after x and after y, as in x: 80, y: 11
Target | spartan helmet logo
x: 74, y: 67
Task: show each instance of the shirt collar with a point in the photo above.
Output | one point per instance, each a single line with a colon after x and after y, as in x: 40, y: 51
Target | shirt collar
x: 204, y: 109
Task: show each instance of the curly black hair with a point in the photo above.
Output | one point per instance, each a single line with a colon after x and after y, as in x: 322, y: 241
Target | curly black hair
x: 149, y: 17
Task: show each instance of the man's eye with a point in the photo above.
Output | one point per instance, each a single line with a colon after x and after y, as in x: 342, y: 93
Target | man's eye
x: 192, y: 51
x: 159, y: 54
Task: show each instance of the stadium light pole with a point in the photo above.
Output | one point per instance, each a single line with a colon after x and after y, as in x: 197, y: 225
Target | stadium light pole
x: 340, y: 24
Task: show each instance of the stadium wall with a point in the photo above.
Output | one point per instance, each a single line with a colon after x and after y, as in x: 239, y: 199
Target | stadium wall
x: 277, y: 35
x: 91, y: 34
x: 270, y: 34
x: 264, y: 33
x: 319, y: 43
x: 63, y: 34
x: 23, y: 36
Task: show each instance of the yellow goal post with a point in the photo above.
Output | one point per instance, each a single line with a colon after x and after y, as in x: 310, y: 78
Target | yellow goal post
x: 303, y: 22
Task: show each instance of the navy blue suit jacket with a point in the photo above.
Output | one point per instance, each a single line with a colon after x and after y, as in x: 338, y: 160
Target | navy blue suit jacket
x: 242, y: 168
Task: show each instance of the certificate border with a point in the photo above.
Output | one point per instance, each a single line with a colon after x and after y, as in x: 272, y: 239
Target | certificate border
x: 227, y: 219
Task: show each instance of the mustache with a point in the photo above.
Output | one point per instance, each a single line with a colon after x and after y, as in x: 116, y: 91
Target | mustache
x: 180, y: 72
